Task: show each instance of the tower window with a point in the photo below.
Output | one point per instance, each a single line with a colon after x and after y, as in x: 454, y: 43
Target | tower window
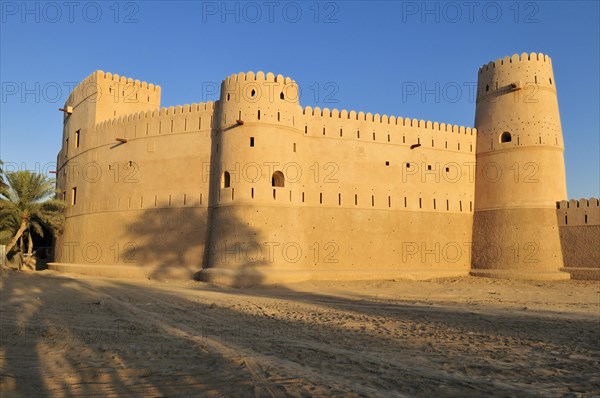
x: 487, y: 87
x: 77, y: 133
x: 226, y: 179
x: 387, y: 163
x: 251, y: 141
x: 277, y: 180
x: 73, y: 196
x: 505, y: 137
x: 281, y: 96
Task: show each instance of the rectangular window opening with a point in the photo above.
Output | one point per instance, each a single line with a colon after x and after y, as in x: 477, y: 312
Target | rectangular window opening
x: 294, y: 147
x: 387, y: 163
x: 389, y: 201
x: 77, y: 133
x: 355, y: 200
x: 252, y: 193
x: 252, y: 141
x: 321, y: 197
x: 372, y: 200
x: 73, y: 196
x: 274, y: 194
x: 340, y: 199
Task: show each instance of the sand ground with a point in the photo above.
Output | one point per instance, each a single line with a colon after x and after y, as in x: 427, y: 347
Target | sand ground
x: 65, y: 335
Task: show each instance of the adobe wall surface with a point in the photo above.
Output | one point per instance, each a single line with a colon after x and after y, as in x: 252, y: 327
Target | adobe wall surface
x: 579, y: 226
x: 254, y: 188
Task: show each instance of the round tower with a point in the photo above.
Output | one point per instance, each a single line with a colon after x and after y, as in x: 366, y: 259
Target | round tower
x: 253, y: 202
x: 520, y: 170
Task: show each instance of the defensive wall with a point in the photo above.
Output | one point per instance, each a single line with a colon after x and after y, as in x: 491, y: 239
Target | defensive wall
x: 579, y: 225
x: 255, y: 188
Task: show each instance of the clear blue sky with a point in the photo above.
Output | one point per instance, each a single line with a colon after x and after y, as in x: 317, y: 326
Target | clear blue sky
x: 346, y: 55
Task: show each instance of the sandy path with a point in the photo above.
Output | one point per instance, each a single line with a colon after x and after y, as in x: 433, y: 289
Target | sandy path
x: 65, y: 336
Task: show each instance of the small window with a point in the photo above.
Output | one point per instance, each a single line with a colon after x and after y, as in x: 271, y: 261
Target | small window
x: 73, y: 196
x: 505, y: 137
x: 387, y: 163
x: 294, y: 147
x: 253, y: 93
x: 281, y: 96
x: 487, y: 87
x: 251, y: 141
x: 277, y: 180
x: 77, y: 133
x: 226, y: 180
x: 428, y: 167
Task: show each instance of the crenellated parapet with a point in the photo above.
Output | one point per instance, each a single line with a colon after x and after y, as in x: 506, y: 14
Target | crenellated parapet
x: 529, y: 72
x: 259, y: 98
x: 580, y: 212
x: 353, y: 125
x: 116, y: 88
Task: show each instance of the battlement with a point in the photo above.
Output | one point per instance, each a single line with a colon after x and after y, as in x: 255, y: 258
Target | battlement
x: 169, y: 111
x: 92, y: 85
x: 515, y: 58
x: 385, y: 119
x: 578, y: 212
x: 515, y: 73
x: 258, y: 76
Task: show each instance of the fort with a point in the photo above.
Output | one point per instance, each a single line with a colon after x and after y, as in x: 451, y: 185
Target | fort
x: 254, y: 188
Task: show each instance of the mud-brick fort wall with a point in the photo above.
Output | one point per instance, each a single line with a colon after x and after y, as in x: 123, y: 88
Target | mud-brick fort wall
x: 359, y: 195
x: 579, y: 226
x: 143, y: 201
x: 255, y: 188
x: 291, y: 191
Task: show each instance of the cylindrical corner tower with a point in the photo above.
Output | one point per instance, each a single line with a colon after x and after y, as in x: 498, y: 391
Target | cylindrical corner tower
x: 520, y: 170
x: 253, y: 205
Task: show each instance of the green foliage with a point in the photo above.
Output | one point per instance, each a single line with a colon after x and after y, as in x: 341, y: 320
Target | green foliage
x: 29, y: 198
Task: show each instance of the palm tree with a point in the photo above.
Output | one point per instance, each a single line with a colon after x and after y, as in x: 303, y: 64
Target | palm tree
x: 27, y: 203
x: 2, y: 183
